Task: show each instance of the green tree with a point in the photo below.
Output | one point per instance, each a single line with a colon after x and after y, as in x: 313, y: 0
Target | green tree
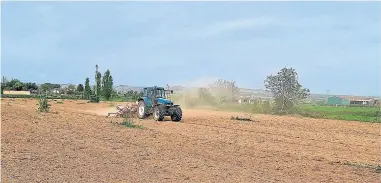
x: 80, y: 88
x: 71, y: 89
x: 30, y: 86
x: 87, y: 88
x: 98, y: 81
x: 56, y: 86
x: 4, y: 80
x: 3, y: 83
x: 107, y: 84
x: 286, y: 89
x: 18, y: 86
x: 11, y: 84
x: 94, y: 90
x: 46, y: 87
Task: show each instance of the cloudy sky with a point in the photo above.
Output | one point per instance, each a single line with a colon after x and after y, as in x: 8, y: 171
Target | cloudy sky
x: 333, y: 46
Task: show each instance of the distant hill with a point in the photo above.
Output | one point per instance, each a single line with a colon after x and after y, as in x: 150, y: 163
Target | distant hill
x: 126, y: 88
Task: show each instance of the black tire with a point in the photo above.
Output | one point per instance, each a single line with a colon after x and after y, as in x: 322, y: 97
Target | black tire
x: 177, y: 114
x: 158, y: 112
x: 142, y: 113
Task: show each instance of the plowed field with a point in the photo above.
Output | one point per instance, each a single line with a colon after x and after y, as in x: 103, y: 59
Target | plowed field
x: 76, y: 142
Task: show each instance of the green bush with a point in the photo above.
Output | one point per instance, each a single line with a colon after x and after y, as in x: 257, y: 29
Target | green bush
x: 43, y: 105
x: 94, y: 99
x: 129, y: 122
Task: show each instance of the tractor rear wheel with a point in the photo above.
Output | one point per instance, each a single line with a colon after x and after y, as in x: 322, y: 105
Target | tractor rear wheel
x: 158, y: 112
x: 177, y: 114
x: 142, y: 110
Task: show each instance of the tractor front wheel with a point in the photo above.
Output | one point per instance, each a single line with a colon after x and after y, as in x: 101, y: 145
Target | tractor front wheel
x: 142, y: 110
x: 158, y: 113
x: 177, y: 114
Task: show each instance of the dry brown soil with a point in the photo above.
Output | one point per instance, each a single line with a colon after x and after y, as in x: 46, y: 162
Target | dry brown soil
x: 76, y: 142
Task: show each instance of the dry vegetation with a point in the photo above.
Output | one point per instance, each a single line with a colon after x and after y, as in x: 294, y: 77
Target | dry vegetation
x: 76, y: 142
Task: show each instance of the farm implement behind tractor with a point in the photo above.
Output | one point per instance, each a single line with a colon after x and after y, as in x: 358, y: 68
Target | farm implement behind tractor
x: 155, y: 101
x: 129, y: 110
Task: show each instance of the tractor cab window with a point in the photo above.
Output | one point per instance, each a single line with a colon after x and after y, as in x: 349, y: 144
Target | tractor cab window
x: 160, y: 93
x: 145, y: 92
x: 150, y: 93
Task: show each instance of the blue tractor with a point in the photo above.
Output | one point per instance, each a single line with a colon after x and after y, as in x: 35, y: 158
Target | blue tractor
x: 155, y: 101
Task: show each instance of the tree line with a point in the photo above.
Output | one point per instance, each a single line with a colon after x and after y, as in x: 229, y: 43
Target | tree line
x: 45, y: 88
x: 103, y: 88
x: 17, y: 85
x: 285, y: 88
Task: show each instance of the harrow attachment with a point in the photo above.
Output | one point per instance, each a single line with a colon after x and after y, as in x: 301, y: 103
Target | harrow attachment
x: 129, y: 110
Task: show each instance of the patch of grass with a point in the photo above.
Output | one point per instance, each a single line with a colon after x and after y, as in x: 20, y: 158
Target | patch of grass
x: 59, y: 102
x: 364, y: 114
x: 354, y: 113
x: 360, y: 111
x: 130, y: 124
x: 378, y: 169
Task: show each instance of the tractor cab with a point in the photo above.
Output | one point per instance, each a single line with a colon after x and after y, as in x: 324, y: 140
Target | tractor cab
x: 155, y: 92
x: 157, y: 95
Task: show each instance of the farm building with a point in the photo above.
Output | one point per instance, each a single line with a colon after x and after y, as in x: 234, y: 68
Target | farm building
x: 9, y: 92
x: 337, y: 101
x: 350, y: 100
